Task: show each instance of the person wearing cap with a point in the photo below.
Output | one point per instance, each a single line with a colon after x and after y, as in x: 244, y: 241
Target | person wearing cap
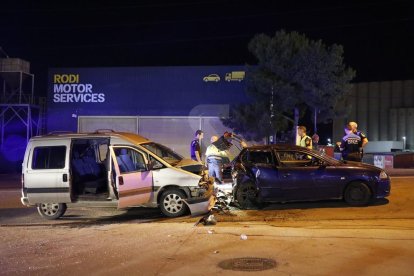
x: 304, y: 140
x: 351, y: 146
x: 195, y: 148
x: 214, y: 160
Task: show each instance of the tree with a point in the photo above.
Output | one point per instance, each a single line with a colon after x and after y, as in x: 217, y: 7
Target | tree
x: 293, y: 73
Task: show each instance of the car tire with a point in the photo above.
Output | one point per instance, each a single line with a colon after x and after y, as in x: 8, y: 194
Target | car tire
x: 172, y: 203
x: 247, y: 195
x: 357, y: 194
x: 51, y: 210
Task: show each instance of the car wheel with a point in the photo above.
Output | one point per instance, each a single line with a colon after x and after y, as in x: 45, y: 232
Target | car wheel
x: 357, y: 194
x: 51, y: 210
x: 246, y: 196
x: 172, y: 203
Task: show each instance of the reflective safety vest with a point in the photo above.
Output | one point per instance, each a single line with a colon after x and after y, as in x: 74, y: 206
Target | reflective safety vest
x: 305, y: 142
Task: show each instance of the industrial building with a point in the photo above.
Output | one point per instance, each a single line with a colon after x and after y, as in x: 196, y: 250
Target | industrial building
x: 384, y: 111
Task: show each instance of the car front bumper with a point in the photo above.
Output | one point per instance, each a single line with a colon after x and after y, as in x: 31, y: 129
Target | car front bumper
x: 383, y: 188
x: 202, y: 205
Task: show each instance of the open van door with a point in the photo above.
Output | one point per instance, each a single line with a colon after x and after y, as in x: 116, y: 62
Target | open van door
x: 134, y: 181
x: 46, y: 172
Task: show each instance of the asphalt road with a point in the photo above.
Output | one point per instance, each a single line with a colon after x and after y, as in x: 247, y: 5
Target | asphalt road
x: 398, y: 206
x: 313, y: 238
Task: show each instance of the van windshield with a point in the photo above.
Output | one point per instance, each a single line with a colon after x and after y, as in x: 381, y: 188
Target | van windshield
x: 163, y: 152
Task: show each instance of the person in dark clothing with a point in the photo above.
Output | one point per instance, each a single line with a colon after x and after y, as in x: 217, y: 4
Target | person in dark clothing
x: 315, y: 141
x: 195, y: 148
x: 354, y: 127
x: 351, y: 146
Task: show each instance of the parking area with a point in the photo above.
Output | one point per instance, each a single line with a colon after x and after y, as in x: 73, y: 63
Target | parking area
x: 302, y: 238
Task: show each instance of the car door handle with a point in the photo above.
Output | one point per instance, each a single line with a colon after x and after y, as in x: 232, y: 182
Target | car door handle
x: 65, y: 177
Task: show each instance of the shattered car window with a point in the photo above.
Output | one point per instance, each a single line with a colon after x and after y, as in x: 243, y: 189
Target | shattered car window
x: 163, y: 152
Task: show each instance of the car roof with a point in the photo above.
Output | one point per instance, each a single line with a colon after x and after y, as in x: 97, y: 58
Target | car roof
x: 132, y: 137
x: 277, y: 147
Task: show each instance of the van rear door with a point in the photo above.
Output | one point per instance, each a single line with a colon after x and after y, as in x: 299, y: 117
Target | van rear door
x: 46, y: 173
x: 134, y: 181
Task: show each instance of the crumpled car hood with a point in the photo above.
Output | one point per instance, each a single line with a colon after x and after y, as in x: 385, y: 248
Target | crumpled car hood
x: 187, y: 162
x: 190, y: 165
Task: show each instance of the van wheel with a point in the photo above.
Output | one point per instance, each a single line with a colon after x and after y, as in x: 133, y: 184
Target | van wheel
x: 172, y: 203
x: 51, y: 210
x: 357, y: 194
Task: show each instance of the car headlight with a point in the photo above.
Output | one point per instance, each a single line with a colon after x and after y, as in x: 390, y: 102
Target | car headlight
x: 383, y: 175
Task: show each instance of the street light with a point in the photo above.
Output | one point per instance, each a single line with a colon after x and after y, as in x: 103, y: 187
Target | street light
x: 329, y: 141
x: 404, y: 141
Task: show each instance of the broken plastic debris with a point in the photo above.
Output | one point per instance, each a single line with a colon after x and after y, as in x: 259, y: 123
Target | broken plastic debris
x: 216, y: 252
x: 211, y: 220
x: 211, y: 231
x: 243, y: 237
x: 207, y: 220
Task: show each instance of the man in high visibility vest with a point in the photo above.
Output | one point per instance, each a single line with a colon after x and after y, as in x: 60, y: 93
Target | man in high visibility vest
x: 214, y: 160
x: 304, y: 140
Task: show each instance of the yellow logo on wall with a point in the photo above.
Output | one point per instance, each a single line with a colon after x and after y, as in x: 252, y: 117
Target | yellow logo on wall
x: 212, y: 77
x: 67, y: 88
x: 235, y: 76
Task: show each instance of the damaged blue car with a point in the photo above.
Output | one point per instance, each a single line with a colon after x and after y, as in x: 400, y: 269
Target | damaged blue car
x: 284, y: 173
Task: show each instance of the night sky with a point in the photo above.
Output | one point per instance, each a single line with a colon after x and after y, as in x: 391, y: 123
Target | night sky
x: 377, y: 35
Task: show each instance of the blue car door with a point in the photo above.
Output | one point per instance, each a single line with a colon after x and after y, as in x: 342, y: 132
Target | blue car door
x: 262, y: 163
x: 296, y: 175
x: 267, y: 177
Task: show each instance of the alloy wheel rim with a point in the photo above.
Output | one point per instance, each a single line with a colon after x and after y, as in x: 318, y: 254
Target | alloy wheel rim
x: 249, y: 192
x: 357, y: 193
x: 49, y: 209
x: 173, y: 203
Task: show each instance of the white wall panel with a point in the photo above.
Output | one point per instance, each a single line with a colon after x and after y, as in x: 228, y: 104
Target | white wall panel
x: 116, y: 123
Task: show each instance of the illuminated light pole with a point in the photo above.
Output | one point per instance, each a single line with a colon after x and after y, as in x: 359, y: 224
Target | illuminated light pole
x: 404, y: 141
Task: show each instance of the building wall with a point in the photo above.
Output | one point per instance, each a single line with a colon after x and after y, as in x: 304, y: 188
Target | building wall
x: 141, y: 91
x: 383, y: 110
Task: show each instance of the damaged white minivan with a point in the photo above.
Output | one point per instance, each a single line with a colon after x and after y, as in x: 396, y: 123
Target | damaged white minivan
x: 110, y: 168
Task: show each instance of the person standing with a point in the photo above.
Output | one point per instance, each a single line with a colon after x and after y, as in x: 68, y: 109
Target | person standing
x: 351, y: 146
x: 354, y: 127
x: 214, y: 160
x: 195, y: 148
x: 304, y: 140
x: 315, y: 141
